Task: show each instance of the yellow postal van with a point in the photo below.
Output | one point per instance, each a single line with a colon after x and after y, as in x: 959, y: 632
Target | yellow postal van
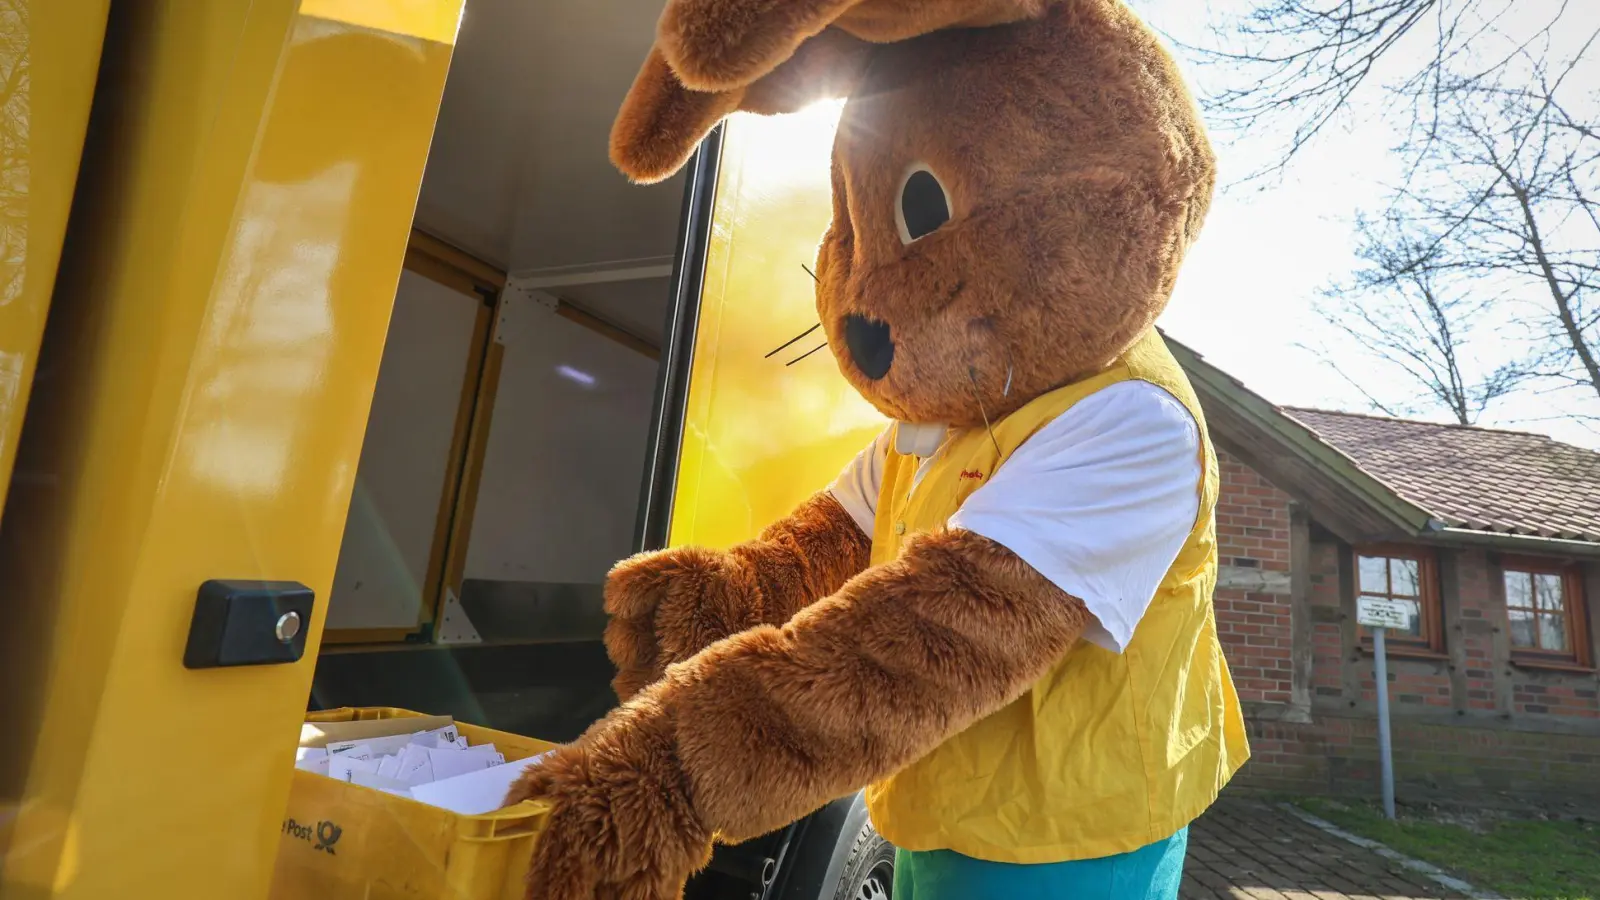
x: 342, y: 300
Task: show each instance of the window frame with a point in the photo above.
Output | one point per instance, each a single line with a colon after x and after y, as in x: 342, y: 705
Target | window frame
x: 1574, y: 605
x: 1431, y: 644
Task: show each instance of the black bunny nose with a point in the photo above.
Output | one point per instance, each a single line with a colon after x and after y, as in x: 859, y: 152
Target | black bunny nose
x: 869, y: 344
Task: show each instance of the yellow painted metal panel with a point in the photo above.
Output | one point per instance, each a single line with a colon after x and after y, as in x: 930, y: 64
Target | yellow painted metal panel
x: 761, y: 435
x: 250, y: 182
x: 427, y: 19
x: 49, y: 52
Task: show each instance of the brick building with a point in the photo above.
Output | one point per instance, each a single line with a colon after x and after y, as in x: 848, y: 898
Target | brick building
x: 1492, y: 537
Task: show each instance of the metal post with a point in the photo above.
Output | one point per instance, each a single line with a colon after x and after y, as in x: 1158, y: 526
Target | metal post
x: 1384, y: 759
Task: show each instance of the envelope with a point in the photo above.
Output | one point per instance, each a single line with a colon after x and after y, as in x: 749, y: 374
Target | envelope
x: 390, y: 785
x: 413, y: 765
x: 319, y: 734
x: 388, y: 766
x: 342, y: 767
x: 393, y: 744
x: 311, y: 759
x: 451, y: 762
x: 474, y: 793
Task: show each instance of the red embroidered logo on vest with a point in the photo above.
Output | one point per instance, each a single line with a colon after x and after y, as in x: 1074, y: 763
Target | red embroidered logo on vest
x: 971, y: 473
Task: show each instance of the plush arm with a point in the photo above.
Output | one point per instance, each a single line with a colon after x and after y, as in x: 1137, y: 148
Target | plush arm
x: 766, y: 726
x: 669, y: 605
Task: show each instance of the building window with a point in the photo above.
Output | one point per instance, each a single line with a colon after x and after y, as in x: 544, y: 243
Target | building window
x: 1545, y: 611
x: 1409, y: 576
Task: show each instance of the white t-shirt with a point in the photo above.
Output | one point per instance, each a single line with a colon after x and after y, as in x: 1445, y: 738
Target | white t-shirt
x: 1100, y: 500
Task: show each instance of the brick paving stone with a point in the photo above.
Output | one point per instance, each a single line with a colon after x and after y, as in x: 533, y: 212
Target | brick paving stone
x: 1375, y: 872
x: 1247, y: 850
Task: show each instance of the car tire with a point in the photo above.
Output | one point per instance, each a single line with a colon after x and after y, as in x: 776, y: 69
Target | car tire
x: 869, y: 869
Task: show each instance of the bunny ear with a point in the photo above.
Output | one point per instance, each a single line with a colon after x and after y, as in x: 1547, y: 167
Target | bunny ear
x: 719, y: 45
x: 713, y: 57
x: 887, y: 21
x: 662, y: 122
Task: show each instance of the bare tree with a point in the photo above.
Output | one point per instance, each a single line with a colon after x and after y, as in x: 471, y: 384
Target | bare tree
x: 1477, y: 280
x: 1412, y: 320
x: 1507, y: 193
x: 1292, y: 67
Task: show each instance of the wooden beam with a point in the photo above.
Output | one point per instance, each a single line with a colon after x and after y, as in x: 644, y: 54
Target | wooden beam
x: 479, y: 283
x: 426, y: 249
x: 580, y: 316
x: 1302, y: 654
x: 480, y: 404
x: 1455, y: 627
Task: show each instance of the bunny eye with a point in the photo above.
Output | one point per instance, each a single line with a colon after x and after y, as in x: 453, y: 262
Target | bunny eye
x: 923, y: 206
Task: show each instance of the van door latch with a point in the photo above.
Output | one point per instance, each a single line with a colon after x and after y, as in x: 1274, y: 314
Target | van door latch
x: 248, y: 623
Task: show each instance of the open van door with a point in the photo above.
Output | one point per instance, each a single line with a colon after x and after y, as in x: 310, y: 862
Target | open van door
x: 213, y: 339
x: 752, y: 417
x: 410, y: 374
x: 49, y: 53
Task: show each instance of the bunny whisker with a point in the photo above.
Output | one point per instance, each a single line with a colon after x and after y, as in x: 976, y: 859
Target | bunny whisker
x: 972, y: 373
x: 807, y: 270
x: 806, y: 354
x: 792, y: 340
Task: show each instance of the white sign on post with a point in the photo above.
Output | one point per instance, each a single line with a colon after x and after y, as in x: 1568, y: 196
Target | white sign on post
x: 1374, y: 612
x: 1380, y: 615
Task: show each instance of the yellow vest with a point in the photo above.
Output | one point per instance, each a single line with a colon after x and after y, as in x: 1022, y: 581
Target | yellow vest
x: 1107, y: 752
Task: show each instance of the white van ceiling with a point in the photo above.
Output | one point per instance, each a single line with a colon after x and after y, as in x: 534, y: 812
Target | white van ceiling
x: 518, y: 174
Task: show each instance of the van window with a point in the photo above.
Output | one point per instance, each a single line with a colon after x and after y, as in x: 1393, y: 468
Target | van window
x: 505, y: 446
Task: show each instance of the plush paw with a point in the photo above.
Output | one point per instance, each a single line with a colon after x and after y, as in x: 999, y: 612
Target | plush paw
x: 621, y: 825
x: 631, y: 645
x: 666, y: 606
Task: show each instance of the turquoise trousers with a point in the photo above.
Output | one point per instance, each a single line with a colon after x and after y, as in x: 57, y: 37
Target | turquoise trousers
x: 1151, y: 872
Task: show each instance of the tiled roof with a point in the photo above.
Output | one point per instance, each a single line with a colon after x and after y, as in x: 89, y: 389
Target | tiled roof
x: 1504, y: 482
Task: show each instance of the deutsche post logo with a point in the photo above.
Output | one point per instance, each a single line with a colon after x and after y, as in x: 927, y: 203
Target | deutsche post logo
x: 322, y: 836
x: 327, y: 835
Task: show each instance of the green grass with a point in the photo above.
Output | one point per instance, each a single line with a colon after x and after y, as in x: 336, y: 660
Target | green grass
x: 1525, y: 859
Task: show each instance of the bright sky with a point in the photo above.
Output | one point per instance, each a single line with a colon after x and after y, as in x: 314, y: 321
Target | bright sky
x: 1244, y: 298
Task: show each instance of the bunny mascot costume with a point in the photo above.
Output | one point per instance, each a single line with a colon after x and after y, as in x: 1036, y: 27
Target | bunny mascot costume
x: 998, y: 620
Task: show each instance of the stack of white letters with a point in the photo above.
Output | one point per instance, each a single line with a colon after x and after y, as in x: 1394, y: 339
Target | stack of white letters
x: 436, y: 766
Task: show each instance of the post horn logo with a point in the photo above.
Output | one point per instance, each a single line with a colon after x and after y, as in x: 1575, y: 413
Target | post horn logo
x: 327, y: 835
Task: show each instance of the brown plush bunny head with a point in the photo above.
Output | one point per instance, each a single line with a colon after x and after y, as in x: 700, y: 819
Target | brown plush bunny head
x: 1015, y: 182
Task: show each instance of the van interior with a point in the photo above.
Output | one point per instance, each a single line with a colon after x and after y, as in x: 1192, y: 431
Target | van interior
x: 504, y: 456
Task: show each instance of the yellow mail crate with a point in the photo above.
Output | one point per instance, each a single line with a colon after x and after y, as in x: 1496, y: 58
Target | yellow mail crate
x: 345, y: 841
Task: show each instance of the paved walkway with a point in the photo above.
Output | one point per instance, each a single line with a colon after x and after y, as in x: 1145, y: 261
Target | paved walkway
x: 1248, y: 850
